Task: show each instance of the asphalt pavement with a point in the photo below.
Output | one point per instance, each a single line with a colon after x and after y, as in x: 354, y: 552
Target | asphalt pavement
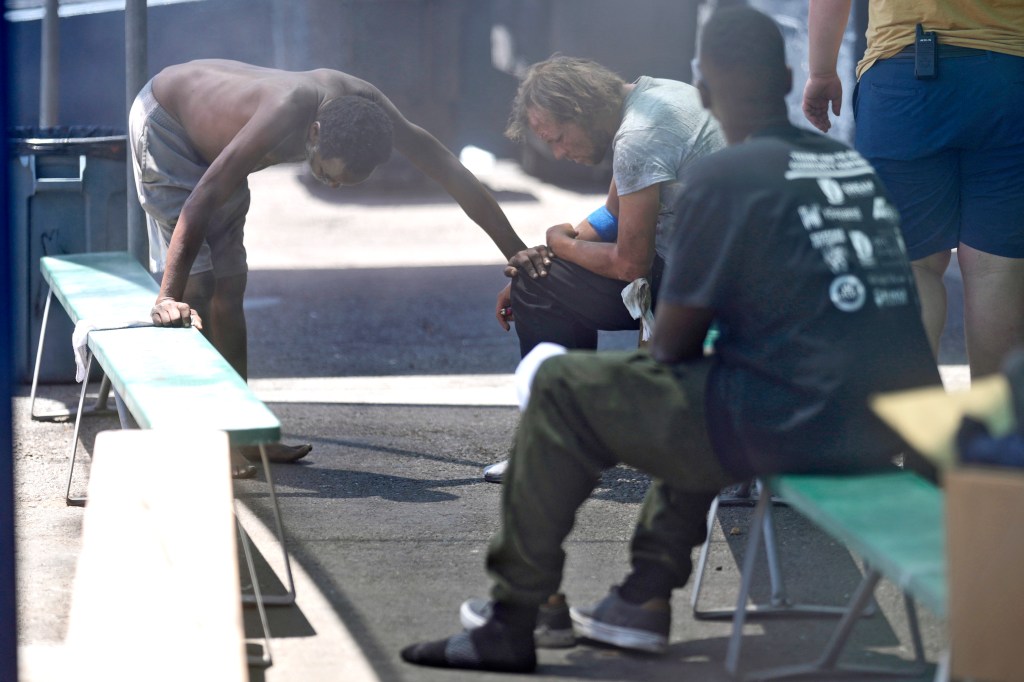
x: 372, y: 336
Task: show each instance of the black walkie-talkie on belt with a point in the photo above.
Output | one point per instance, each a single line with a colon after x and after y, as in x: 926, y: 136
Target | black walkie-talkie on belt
x: 925, y: 48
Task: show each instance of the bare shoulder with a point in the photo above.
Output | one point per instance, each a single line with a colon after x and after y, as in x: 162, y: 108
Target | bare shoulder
x: 340, y: 84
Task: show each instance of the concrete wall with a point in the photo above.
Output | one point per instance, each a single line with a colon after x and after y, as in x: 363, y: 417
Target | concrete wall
x: 411, y: 49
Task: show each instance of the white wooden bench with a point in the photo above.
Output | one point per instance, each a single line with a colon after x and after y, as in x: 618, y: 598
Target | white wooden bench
x: 156, y: 588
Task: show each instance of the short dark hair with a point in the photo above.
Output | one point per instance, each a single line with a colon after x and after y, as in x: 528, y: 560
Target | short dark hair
x: 568, y: 88
x: 742, y: 40
x: 357, y: 131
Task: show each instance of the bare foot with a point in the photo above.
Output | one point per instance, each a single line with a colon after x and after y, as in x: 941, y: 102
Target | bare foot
x: 239, y: 467
x: 276, y: 452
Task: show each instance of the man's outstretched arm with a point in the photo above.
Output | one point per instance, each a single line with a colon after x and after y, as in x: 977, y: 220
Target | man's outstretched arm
x: 438, y: 163
x: 826, y: 23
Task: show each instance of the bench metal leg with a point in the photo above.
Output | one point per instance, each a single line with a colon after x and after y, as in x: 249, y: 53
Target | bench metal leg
x: 288, y: 597
x: 69, y: 500
x: 98, y: 408
x: 778, y: 604
x: 739, y: 617
x: 267, y: 659
x: 827, y: 665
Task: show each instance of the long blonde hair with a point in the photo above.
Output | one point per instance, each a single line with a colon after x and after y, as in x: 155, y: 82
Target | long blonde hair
x: 568, y: 88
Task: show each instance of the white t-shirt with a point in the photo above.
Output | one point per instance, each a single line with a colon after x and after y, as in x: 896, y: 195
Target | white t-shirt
x: 664, y: 129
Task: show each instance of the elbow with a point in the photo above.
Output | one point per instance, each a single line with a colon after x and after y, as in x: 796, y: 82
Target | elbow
x: 628, y: 272
x: 627, y: 265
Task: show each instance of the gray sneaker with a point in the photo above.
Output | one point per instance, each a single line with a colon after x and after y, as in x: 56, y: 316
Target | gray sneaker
x: 554, y: 627
x: 495, y: 472
x: 614, y: 621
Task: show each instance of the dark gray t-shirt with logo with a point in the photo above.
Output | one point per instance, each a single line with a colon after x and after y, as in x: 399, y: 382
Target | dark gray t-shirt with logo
x: 790, y: 239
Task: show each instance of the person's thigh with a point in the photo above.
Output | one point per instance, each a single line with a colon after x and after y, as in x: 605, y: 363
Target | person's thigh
x: 642, y: 413
x: 575, y: 293
x: 226, y: 233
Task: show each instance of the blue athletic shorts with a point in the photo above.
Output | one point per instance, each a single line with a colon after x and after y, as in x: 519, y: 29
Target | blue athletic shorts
x: 950, y: 151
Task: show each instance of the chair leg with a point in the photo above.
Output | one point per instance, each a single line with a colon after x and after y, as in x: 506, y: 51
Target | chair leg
x: 739, y: 616
x: 288, y: 597
x: 779, y: 604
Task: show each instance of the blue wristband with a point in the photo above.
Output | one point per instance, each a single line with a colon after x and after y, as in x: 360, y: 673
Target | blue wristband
x: 605, y: 224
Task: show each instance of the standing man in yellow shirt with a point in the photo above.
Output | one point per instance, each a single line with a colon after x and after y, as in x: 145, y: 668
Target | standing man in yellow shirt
x: 938, y: 105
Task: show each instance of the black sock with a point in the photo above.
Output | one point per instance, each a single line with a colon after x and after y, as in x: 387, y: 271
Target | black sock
x: 502, y: 644
x: 648, y: 580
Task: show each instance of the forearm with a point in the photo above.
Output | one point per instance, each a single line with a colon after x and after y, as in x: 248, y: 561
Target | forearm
x: 483, y: 210
x: 438, y: 163
x: 826, y: 23
x: 602, y: 258
x: 181, y: 254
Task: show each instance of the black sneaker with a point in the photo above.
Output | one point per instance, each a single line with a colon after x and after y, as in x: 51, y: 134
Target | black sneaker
x: 554, y: 627
x: 615, y: 621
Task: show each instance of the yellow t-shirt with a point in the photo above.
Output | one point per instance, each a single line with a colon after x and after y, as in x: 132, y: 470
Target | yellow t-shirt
x: 996, y: 25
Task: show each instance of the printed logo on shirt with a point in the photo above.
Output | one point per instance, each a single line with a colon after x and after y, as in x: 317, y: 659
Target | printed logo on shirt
x: 843, y: 214
x: 837, y: 258
x: 883, y: 210
x: 840, y: 164
x: 832, y: 191
x: 810, y: 216
x: 824, y: 238
x: 858, y: 188
x: 889, y: 298
x: 863, y: 247
x: 847, y: 293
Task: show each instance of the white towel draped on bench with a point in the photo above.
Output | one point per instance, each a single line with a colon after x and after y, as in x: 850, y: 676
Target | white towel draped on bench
x: 80, y: 337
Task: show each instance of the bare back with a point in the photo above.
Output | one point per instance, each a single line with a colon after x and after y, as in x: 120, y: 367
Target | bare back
x: 215, y: 99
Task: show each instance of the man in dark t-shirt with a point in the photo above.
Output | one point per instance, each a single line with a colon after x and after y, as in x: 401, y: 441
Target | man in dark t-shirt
x: 793, y: 245
x: 787, y: 241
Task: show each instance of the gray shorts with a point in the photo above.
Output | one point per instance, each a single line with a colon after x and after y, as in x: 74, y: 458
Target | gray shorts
x: 167, y: 168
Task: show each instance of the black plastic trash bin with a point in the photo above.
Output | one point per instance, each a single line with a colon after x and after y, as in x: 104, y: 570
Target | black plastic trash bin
x: 68, y: 195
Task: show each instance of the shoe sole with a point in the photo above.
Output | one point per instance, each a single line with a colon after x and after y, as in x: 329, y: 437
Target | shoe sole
x: 554, y: 639
x: 544, y: 639
x: 624, y: 638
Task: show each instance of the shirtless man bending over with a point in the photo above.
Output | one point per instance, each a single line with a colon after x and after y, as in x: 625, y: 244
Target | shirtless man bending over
x: 199, y: 129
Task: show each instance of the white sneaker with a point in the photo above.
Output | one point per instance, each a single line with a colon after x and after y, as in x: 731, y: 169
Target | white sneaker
x: 495, y: 472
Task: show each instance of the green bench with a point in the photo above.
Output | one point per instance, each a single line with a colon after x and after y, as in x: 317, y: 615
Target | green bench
x: 93, y: 286
x: 894, y: 521
x: 171, y: 379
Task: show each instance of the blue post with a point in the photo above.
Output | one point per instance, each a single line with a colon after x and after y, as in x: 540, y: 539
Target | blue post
x: 8, y: 612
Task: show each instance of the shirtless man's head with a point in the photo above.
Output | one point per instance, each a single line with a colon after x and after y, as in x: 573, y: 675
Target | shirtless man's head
x: 349, y: 138
x: 573, y: 105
